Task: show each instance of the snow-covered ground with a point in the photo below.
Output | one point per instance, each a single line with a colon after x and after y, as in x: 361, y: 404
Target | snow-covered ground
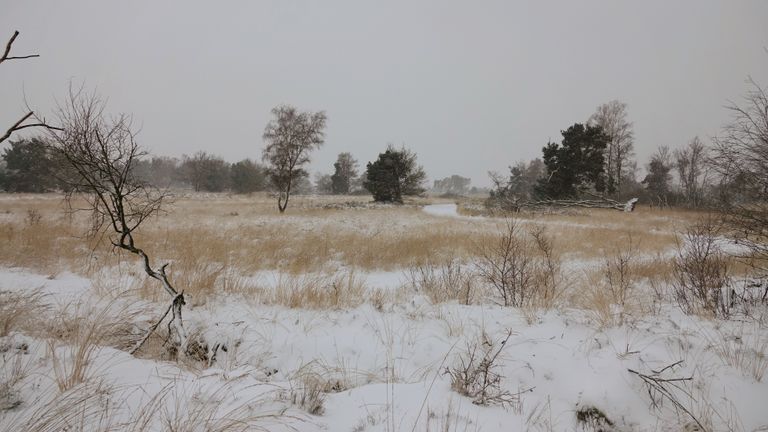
x: 383, y: 366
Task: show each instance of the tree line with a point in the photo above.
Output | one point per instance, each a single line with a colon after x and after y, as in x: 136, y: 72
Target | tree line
x: 595, y: 159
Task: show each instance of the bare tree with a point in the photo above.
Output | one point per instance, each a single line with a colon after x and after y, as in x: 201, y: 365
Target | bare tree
x: 740, y: 156
x: 690, y: 162
x: 290, y: 136
x: 103, y: 152
x: 612, y: 118
x: 19, y: 125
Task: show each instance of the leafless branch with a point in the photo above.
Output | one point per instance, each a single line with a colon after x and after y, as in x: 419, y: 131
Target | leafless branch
x: 7, y: 52
x: 103, y: 153
x: 666, y: 388
x: 19, y: 124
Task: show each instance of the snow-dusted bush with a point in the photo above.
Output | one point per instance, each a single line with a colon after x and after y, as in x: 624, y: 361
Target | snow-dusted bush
x: 476, y: 373
x: 523, y: 268
x: 701, y: 272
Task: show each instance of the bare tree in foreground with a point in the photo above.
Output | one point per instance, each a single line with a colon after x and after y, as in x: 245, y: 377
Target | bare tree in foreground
x: 290, y: 136
x: 103, y: 152
x: 19, y: 125
x: 741, y: 158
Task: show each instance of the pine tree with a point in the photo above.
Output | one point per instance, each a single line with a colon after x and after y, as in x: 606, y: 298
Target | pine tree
x: 575, y: 165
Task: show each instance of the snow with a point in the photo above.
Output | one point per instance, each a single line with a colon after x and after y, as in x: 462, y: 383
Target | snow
x: 390, y: 363
x: 385, y: 364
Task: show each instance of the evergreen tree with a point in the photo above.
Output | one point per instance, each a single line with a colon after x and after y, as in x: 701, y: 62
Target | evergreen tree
x: 29, y: 166
x: 657, y: 181
x: 247, y: 176
x: 393, y: 175
x: 345, y: 171
x: 575, y: 165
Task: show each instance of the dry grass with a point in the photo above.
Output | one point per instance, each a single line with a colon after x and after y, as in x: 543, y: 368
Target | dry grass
x: 317, y: 292
x: 76, y: 334
x: 16, y: 367
x: 739, y: 349
x: 214, y: 241
x: 444, y: 281
x: 95, y: 407
x: 19, y: 310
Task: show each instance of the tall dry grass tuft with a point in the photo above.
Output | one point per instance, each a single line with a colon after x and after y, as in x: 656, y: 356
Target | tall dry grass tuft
x: 78, y: 331
x: 96, y: 407
x: 20, y: 310
x: 739, y: 349
x: 309, y: 395
x: 610, y: 289
x: 82, y: 408
x: 16, y: 366
x: 344, y: 290
x: 443, y: 281
x: 215, y: 409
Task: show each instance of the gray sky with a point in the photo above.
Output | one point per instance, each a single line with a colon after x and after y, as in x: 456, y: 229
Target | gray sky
x: 470, y: 86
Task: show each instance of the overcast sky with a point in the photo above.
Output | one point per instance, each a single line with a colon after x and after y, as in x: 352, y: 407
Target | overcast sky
x: 471, y: 86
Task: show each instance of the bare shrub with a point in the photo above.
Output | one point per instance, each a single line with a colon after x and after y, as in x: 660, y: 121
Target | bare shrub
x: 522, y: 267
x: 476, y: 373
x: 548, y: 274
x: 701, y: 271
x: 33, y: 218
x: 618, y: 271
x: 741, y: 159
x: 506, y: 265
x: 441, y: 282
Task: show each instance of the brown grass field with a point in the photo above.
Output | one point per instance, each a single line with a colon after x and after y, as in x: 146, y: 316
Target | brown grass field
x: 214, y: 241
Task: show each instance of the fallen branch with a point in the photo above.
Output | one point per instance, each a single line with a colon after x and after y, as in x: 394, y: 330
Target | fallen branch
x: 151, y: 330
x: 656, y: 384
x: 516, y: 205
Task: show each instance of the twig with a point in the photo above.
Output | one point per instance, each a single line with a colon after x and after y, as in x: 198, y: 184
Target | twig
x: 657, y: 383
x: 8, y: 50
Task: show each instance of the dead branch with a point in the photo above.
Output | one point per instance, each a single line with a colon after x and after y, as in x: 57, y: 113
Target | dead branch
x: 7, y: 52
x: 605, y: 203
x: 19, y: 124
x: 665, y: 387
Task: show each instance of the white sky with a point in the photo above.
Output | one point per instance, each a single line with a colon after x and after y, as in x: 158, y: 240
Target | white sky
x: 470, y: 86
